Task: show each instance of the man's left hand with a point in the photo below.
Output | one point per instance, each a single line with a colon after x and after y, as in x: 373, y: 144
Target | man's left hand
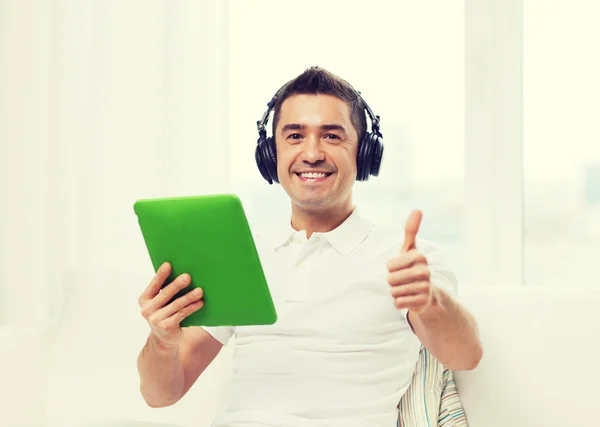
x: 409, y: 272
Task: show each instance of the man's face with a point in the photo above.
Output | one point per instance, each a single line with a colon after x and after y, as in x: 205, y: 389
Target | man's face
x: 316, y: 151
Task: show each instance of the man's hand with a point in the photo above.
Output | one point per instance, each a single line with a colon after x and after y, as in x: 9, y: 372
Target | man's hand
x: 164, y: 318
x: 409, y: 272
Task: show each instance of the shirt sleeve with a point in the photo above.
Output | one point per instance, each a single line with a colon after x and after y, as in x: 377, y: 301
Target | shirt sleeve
x: 220, y: 333
x: 442, y: 275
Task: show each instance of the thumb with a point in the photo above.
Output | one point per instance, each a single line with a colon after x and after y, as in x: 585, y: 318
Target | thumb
x: 411, y: 228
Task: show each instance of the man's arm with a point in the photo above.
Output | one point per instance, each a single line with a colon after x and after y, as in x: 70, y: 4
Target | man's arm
x: 168, y: 372
x: 444, y: 327
x: 448, y: 331
x: 173, y: 357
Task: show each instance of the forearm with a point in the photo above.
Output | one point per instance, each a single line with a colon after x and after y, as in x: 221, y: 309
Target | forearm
x: 449, y: 332
x: 161, y: 374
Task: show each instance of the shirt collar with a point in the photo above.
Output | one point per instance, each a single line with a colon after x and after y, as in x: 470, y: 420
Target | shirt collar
x: 345, y: 238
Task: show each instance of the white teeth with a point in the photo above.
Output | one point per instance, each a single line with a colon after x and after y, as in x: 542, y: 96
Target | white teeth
x: 312, y: 175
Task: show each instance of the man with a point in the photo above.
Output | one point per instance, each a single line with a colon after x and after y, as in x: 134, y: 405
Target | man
x: 355, y: 301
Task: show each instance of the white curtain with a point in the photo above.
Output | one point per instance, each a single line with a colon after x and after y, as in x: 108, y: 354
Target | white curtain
x: 101, y: 103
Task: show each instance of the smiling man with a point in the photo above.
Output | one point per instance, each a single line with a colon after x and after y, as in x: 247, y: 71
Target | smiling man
x: 355, y: 300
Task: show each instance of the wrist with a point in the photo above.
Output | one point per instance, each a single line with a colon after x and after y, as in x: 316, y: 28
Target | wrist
x: 434, y: 308
x: 162, y: 346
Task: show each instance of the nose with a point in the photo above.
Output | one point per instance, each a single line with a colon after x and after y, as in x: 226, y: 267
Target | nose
x: 312, y: 152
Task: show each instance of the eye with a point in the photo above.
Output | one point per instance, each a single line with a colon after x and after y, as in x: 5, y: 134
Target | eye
x: 331, y: 136
x: 294, y: 136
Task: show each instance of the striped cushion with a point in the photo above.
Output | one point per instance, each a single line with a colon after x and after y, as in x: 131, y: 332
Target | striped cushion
x: 432, y: 399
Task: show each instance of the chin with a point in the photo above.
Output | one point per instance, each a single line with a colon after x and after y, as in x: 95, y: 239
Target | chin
x: 312, y: 204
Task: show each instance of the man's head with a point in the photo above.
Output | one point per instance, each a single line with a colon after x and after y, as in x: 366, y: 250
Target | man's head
x: 318, y: 81
x: 318, y: 122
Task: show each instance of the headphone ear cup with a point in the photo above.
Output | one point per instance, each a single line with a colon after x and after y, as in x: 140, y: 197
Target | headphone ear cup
x: 260, y: 162
x: 266, y: 159
x: 376, y: 154
x: 370, y: 153
x: 271, y: 156
x: 362, y: 159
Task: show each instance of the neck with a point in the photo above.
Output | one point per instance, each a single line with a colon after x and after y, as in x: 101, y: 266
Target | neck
x: 321, y: 221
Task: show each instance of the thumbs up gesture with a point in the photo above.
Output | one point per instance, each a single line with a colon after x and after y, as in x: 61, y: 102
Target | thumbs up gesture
x: 409, y: 272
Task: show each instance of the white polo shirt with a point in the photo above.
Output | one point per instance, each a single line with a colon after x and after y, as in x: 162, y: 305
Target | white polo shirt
x: 340, y: 353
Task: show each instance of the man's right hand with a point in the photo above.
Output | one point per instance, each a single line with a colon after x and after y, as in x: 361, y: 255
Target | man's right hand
x: 164, y: 317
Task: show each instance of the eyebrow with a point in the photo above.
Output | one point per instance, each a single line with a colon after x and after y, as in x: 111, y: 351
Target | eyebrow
x: 296, y: 126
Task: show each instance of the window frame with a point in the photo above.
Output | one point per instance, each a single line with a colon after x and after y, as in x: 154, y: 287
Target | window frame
x: 494, y: 188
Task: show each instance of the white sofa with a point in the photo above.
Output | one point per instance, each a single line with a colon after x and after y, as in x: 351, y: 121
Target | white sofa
x: 538, y: 368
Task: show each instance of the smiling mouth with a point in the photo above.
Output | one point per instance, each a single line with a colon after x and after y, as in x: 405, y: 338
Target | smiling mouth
x: 313, y: 176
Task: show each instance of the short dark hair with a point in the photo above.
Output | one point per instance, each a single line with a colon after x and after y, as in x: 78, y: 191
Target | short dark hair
x: 318, y: 81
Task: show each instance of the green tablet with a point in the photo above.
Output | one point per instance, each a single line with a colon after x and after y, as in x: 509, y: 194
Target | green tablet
x: 209, y: 238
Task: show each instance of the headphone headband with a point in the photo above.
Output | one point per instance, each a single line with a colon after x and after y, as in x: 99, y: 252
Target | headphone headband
x: 262, y: 123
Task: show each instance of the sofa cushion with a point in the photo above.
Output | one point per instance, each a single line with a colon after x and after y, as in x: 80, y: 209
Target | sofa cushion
x: 92, y: 366
x: 538, y: 367
x: 22, y: 372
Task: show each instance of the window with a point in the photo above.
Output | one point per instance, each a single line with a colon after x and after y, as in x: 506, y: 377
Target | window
x: 561, y: 142
x: 406, y: 58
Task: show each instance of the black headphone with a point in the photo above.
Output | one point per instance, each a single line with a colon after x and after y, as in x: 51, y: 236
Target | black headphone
x: 368, y: 159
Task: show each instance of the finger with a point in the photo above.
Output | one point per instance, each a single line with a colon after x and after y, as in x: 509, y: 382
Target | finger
x: 166, y: 294
x: 412, y: 301
x: 411, y: 228
x: 178, y: 304
x: 173, y: 321
x: 405, y: 260
x: 156, y: 283
x: 418, y: 273
x: 412, y: 289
